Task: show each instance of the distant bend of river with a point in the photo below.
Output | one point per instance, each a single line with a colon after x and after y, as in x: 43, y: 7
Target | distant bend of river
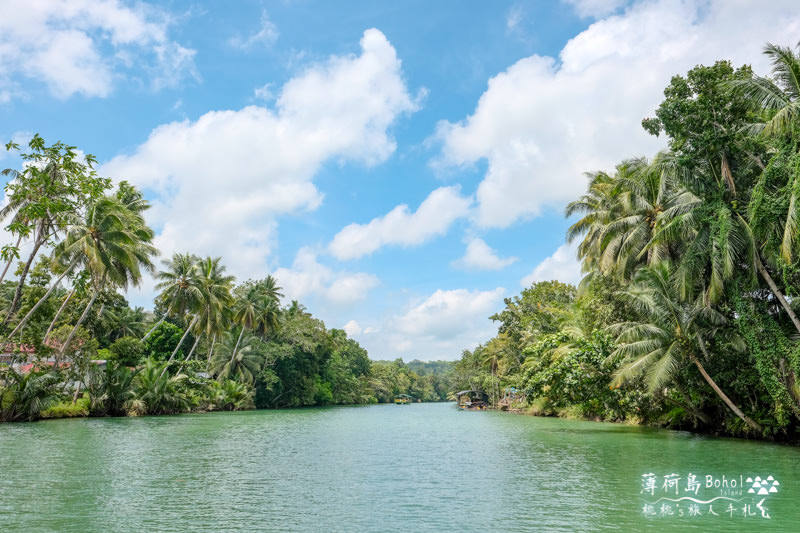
x: 386, y: 468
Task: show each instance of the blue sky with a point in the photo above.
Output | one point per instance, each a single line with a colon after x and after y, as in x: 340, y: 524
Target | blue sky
x: 400, y: 167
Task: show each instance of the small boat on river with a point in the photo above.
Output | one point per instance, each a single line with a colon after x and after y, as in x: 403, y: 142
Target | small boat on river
x: 402, y: 399
x: 472, y: 400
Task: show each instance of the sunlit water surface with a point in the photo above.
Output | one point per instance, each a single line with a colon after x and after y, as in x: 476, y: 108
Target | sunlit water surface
x: 420, y: 467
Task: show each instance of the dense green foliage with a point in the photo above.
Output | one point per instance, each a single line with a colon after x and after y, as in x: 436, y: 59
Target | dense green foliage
x: 685, y: 316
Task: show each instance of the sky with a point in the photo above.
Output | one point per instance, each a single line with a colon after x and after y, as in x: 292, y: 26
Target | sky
x: 399, y: 167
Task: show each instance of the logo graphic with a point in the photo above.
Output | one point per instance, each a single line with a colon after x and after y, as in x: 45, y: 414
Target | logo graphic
x: 764, y: 486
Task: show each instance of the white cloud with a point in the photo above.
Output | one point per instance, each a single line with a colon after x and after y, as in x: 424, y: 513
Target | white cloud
x: 222, y: 181
x: 595, y: 8
x: 264, y: 92
x: 64, y: 43
x: 308, y: 277
x: 438, y: 327
x: 479, y: 256
x: 562, y: 266
x: 352, y: 328
x: 399, y: 226
x: 266, y: 35
x: 542, y: 123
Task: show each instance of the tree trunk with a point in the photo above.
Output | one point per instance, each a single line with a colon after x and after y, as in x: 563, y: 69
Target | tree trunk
x: 18, y: 293
x: 233, y: 355
x: 237, y: 342
x: 77, y: 391
x: 154, y: 328
x: 197, y: 340
x: 80, y: 321
x: 175, y: 351
x: 211, y: 350
x: 716, y: 388
x: 43, y: 298
x: 778, y: 294
x: 58, y: 314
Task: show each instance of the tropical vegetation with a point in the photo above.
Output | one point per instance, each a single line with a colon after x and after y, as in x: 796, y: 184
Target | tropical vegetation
x: 686, y: 312
x: 73, y: 346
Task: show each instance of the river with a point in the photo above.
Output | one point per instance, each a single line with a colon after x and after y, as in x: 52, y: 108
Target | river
x: 419, y: 467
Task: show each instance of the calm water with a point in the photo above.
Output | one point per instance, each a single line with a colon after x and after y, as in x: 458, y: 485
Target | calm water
x: 423, y: 467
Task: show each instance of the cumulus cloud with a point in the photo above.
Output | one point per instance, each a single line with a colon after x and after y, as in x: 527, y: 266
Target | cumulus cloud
x: 543, y: 122
x: 441, y: 325
x: 66, y: 43
x: 308, y: 277
x: 222, y: 181
x: 401, y: 227
x: 562, y: 266
x: 479, y: 256
x: 352, y: 328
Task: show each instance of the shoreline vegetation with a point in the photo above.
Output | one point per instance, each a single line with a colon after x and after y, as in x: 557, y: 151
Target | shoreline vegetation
x: 685, y: 317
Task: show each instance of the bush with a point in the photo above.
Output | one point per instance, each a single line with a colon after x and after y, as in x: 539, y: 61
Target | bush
x: 66, y: 409
x: 127, y: 351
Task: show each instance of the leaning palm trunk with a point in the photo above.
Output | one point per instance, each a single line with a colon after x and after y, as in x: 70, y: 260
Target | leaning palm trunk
x: 43, y: 298
x: 732, y: 406
x: 178, y: 347
x: 211, y: 350
x: 58, y: 314
x: 154, y: 328
x: 776, y: 291
x: 237, y: 344
x: 186, y: 360
x: 80, y: 321
x: 12, y: 310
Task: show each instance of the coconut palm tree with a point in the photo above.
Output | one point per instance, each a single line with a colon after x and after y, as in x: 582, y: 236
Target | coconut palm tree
x: 622, y: 214
x: 114, y: 245
x: 213, y: 310
x: 599, y: 207
x: 670, y: 333
x: 180, y: 287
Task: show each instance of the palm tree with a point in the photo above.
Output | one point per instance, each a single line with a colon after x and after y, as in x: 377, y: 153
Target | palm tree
x: 114, y: 244
x: 126, y: 322
x: 180, y: 287
x: 623, y: 213
x: 157, y: 392
x: 236, y: 359
x: 669, y: 333
x: 112, y: 390
x: 24, y: 396
x: 598, y: 206
x: 215, y: 304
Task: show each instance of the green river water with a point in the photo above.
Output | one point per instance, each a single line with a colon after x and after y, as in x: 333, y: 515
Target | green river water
x: 420, y: 467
